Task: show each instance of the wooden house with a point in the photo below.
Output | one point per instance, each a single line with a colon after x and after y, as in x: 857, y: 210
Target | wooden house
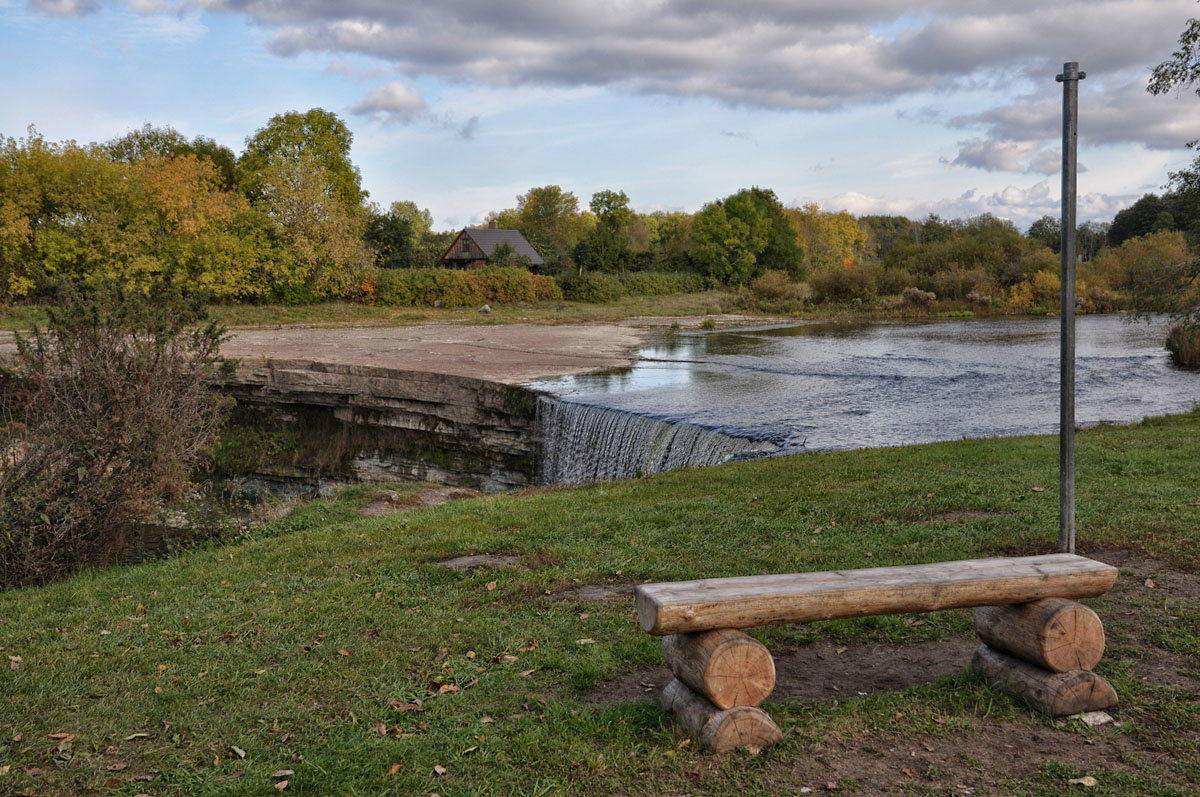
x: 474, y: 247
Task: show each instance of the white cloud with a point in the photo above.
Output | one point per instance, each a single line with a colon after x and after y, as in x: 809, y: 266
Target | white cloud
x: 1021, y: 205
x: 395, y: 102
x: 65, y: 8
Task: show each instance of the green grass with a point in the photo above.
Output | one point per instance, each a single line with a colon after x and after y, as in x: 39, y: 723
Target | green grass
x: 293, y: 647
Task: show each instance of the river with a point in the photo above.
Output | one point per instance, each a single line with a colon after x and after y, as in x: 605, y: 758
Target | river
x: 829, y: 386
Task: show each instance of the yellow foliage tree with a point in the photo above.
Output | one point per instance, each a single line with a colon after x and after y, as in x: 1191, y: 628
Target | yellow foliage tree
x: 831, y: 240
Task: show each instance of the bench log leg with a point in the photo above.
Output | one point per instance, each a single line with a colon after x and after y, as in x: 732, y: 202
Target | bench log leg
x: 726, y: 666
x: 1053, y: 633
x: 720, y: 730
x: 1057, y: 694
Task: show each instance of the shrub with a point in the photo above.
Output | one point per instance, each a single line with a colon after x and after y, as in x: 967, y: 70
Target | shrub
x: 1047, y: 287
x: 918, y: 298
x: 776, y: 285
x: 416, y: 287
x: 1183, y: 342
x: 101, y: 418
x: 844, y: 284
x: 661, y: 283
x: 592, y: 287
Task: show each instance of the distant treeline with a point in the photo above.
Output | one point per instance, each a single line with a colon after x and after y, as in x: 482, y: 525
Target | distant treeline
x: 287, y: 221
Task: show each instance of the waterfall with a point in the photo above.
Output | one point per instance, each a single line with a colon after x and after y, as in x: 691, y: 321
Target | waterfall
x: 581, y: 443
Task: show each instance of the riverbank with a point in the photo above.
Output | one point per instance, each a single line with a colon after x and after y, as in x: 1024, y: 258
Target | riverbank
x: 338, y: 648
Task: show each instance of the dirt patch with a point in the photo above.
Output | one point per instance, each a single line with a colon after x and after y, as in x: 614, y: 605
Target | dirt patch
x: 390, y: 502
x: 978, y: 759
x: 477, y: 561
x: 593, y: 593
x: 824, y: 670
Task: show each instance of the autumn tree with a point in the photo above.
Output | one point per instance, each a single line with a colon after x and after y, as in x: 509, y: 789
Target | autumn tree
x: 550, y: 219
x: 318, y: 138
x: 830, y: 240
x: 150, y: 142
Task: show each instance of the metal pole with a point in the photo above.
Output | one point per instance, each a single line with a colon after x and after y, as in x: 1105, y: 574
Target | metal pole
x: 1070, y: 78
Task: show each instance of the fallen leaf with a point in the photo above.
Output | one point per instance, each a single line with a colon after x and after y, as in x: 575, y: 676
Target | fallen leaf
x: 527, y: 673
x: 507, y: 658
x: 438, y: 769
x: 1150, y: 583
x: 840, y: 651
x: 487, y: 719
x: 909, y: 772
x: 14, y: 662
x: 281, y: 785
x: 441, y: 654
x: 133, y: 736
x: 67, y: 736
x: 470, y: 750
x: 381, y: 728
x: 33, y: 772
x: 491, y: 585
x: 4, y: 770
x: 343, y: 652
x: 1094, y: 718
x: 116, y: 767
x: 585, y: 641
x: 283, y: 773
x: 395, y: 768
x: 1087, y: 781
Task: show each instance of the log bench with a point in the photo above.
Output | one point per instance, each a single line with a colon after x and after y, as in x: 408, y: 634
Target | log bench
x: 1038, y: 643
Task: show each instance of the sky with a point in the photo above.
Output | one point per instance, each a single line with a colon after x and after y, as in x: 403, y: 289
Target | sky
x: 908, y: 107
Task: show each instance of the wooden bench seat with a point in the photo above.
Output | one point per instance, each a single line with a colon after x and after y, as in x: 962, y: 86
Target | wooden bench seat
x: 746, y: 601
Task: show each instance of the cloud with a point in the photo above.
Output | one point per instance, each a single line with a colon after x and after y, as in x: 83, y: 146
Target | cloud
x: 65, y: 8
x: 395, y: 102
x: 1021, y: 205
x: 820, y: 54
x: 1023, y: 135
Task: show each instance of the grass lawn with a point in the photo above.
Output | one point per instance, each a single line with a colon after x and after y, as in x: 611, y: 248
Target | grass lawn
x: 335, y: 648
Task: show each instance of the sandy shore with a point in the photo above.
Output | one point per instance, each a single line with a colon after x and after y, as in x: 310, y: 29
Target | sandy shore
x: 509, y: 353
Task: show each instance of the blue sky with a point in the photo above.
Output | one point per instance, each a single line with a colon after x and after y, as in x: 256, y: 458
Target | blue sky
x: 902, y: 106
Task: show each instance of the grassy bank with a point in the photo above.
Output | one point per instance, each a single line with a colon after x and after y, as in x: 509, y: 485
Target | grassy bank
x: 336, y: 648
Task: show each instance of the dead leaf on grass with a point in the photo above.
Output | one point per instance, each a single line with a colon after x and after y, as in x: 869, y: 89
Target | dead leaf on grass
x: 438, y: 769
x: 281, y: 785
x: 1086, y: 781
x: 283, y: 773
x: 491, y: 586
x: 133, y: 736
x: 395, y: 768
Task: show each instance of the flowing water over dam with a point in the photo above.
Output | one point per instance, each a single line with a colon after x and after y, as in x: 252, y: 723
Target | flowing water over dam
x: 835, y: 386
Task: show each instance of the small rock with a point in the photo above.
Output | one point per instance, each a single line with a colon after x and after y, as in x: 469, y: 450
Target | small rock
x: 1094, y: 718
x: 487, y: 308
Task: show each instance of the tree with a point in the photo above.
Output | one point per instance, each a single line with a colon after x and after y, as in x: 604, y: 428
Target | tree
x: 1048, y: 230
x: 783, y: 251
x: 550, y: 220
x: 607, y: 245
x: 726, y: 241
x: 160, y: 143
x: 1145, y: 216
x: 100, y: 421
x: 324, y: 240
x: 831, y: 240
x: 317, y: 137
x: 398, y: 234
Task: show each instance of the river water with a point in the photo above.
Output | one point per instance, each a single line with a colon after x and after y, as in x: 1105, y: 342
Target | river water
x: 830, y: 386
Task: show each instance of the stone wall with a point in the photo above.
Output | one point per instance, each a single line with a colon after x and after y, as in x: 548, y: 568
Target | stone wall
x: 317, y: 420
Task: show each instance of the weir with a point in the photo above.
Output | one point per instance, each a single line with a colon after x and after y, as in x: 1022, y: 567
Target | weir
x: 581, y: 443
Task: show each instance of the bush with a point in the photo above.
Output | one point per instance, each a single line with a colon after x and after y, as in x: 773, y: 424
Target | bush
x: 592, y: 287
x: 918, y: 298
x: 1183, y: 342
x: 844, y: 284
x: 415, y: 287
x: 776, y: 285
x: 100, y: 421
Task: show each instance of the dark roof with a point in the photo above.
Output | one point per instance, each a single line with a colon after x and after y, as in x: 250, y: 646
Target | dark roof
x: 488, y: 239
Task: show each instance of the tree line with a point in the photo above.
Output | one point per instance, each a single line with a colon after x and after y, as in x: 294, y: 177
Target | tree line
x: 287, y: 221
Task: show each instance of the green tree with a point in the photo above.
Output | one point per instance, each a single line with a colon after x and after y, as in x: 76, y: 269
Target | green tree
x: 727, y: 237
x: 607, y: 245
x: 1048, y: 230
x: 318, y: 138
x: 1149, y: 214
x: 783, y: 251
x: 398, y: 234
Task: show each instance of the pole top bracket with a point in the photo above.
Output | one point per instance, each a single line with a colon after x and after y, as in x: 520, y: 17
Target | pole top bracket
x: 1070, y: 72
